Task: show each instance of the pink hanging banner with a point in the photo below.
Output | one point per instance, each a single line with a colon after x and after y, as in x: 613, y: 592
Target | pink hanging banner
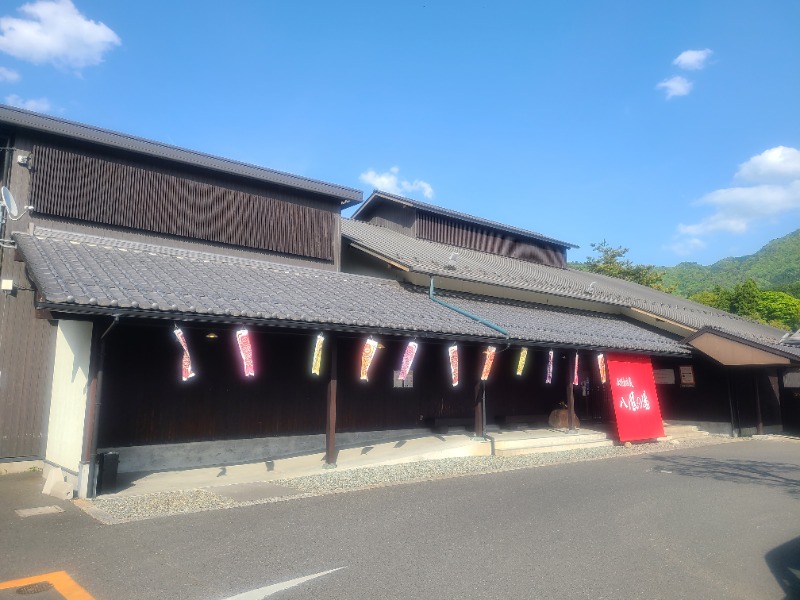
x: 453, y: 352
x: 246, y: 350
x: 549, y: 378
x: 408, y: 360
x: 367, y: 354
x: 487, y: 364
x: 186, y: 363
x: 575, y: 380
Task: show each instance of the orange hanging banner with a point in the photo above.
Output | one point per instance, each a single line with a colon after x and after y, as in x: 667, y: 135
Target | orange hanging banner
x: 367, y: 354
x: 487, y: 363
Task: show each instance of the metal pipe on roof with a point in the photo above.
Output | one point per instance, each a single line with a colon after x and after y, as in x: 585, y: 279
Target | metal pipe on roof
x: 482, y: 321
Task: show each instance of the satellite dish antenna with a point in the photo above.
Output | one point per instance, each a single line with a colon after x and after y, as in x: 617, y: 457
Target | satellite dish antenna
x: 12, y: 210
x: 9, y: 203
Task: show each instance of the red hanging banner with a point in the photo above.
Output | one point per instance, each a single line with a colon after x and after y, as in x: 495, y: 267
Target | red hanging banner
x: 453, y: 352
x: 186, y: 361
x: 633, y: 391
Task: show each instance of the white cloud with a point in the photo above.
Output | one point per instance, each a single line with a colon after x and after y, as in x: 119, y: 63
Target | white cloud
x: 685, y: 247
x: 389, y: 181
x: 676, y: 86
x: 8, y: 75
x: 55, y: 32
x: 735, y: 210
x: 34, y: 104
x: 692, y: 60
x: 773, y: 165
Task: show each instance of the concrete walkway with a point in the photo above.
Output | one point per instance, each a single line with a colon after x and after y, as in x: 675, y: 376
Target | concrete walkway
x: 431, y: 447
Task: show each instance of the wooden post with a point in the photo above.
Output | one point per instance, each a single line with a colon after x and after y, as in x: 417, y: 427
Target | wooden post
x: 479, y: 432
x: 570, y: 392
x: 330, y: 421
x: 730, y: 404
x: 759, y: 420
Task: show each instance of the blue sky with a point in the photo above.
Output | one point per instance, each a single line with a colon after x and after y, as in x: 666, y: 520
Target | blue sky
x: 671, y: 128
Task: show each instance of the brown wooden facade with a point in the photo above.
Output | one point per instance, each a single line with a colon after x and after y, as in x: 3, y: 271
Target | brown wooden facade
x: 78, y: 186
x: 427, y: 225
x: 133, y: 194
x: 146, y: 402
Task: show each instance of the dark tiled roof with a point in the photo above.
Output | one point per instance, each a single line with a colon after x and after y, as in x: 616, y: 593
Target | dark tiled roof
x: 432, y: 258
x: 380, y: 196
x: 82, y: 273
x: 104, y: 137
x: 565, y: 326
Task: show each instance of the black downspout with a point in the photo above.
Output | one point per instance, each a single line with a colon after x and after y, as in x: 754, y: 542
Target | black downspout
x: 91, y: 491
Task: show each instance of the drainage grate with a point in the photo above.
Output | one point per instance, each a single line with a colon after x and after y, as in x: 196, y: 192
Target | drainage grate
x: 35, y: 588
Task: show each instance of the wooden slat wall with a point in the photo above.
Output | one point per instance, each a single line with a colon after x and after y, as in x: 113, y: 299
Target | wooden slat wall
x: 26, y: 362
x: 144, y: 400
x: 448, y: 231
x: 395, y: 217
x: 73, y: 185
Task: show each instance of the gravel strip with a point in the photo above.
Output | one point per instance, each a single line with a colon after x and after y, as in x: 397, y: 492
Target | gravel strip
x: 367, y: 477
x: 160, y: 504
x: 135, y: 508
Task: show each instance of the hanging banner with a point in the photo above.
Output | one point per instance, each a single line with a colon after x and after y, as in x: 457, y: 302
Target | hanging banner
x: 549, y: 378
x: 367, y: 354
x: 186, y: 363
x: 453, y: 352
x: 246, y: 351
x: 601, y: 366
x: 575, y: 380
x: 316, y: 359
x: 523, y: 357
x: 633, y: 391
x: 487, y: 363
x: 408, y: 360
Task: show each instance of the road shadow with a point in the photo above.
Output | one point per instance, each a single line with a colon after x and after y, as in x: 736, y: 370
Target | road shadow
x: 783, y: 476
x: 784, y: 562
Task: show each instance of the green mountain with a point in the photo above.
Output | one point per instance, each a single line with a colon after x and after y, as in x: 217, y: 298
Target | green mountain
x: 776, y: 266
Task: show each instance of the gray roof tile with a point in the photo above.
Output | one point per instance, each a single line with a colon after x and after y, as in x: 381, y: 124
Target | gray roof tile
x: 432, y: 258
x: 82, y: 273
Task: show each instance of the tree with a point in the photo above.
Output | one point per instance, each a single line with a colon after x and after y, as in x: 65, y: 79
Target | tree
x: 612, y: 262
x: 778, y: 309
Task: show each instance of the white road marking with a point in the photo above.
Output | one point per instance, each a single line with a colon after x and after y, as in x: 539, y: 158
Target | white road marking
x: 262, y: 593
x: 40, y: 510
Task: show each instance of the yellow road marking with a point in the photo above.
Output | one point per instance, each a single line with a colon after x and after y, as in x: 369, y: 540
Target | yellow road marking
x: 62, y: 583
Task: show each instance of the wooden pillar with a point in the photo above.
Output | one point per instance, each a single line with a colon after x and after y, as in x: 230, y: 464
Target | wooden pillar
x: 330, y: 419
x: 571, y: 392
x: 479, y: 432
x: 730, y: 404
x: 759, y: 419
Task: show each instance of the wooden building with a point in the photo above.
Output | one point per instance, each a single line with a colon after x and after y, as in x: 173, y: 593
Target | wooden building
x: 186, y: 310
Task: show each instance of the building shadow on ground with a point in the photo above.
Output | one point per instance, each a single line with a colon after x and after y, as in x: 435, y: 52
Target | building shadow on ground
x: 782, y: 476
x: 784, y: 562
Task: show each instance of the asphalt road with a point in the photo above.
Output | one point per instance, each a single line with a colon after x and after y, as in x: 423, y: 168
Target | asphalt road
x: 714, y: 522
